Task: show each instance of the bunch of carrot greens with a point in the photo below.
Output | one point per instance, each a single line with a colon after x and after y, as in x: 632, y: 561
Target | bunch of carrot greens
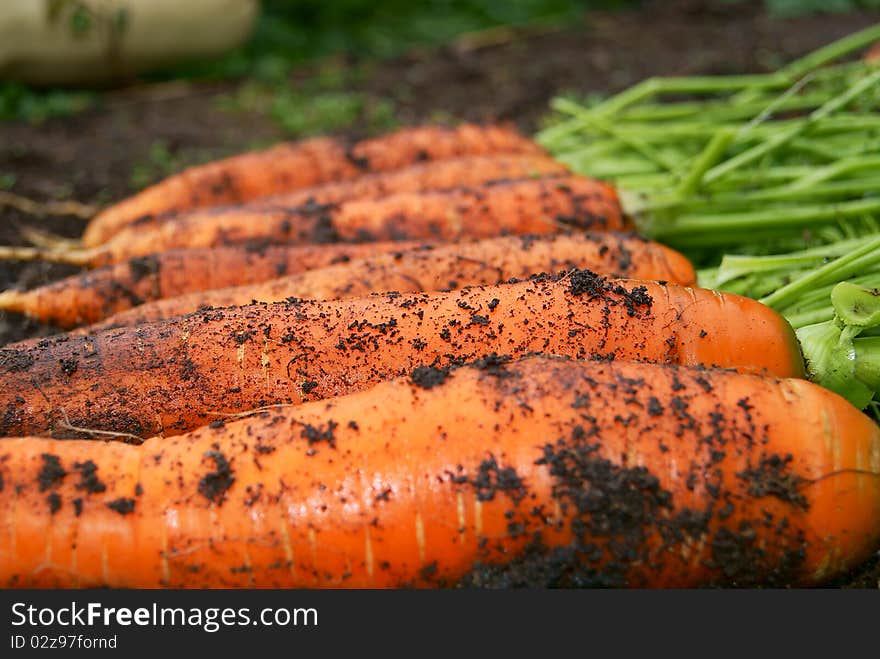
x: 769, y: 182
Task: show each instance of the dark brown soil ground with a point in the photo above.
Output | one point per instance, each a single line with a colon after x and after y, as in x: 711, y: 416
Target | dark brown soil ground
x: 91, y: 157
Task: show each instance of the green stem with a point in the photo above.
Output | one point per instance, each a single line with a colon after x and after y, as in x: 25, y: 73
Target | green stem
x: 837, y: 270
x: 656, y: 181
x: 635, y: 144
x: 816, y: 150
x: 710, y: 112
x: 819, y: 297
x: 836, y: 169
x: 550, y: 137
x: 775, y: 142
x: 848, y: 189
x: 832, y: 51
x: 867, y: 361
x: 718, y: 228
x: 711, y: 154
x: 735, y: 265
x: 798, y: 320
x: 854, y: 129
x: 688, y: 85
x: 610, y: 169
x: 814, y: 64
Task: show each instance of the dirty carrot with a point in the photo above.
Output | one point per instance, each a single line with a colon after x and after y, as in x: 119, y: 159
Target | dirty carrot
x: 421, y: 177
x: 510, y: 207
x: 441, y: 267
x: 302, y: 164
x: 538, y: 473
x: 95, y: 294
x: 171, y: 376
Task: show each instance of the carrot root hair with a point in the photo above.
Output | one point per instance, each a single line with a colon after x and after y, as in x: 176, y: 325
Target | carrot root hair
x: 48, y: 240
x: 232, y: 416
x: 78, y: 257
x: 94, y: 433
x: 41, y: 209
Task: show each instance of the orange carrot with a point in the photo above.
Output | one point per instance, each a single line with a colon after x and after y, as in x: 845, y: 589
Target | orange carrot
x: 511, y: 207
x: 435, y: 268
x: 93, y: 295
x: 431, y: 175
x: 300, y: 165
x: 171, y: 376
x: 544, y: 472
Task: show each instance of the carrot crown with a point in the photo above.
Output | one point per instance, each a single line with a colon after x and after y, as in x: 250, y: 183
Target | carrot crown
x: 843, y: 354
x: 829, y: 294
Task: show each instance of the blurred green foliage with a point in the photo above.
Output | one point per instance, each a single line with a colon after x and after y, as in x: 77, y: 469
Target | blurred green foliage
x: 290, y: 32
x: 17, y: 101
x: 293, y: 31
x: 797, y: 7
x: 801, y: 7
x: 312, y: 107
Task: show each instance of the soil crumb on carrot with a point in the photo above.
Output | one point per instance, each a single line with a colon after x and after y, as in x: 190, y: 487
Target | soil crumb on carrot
x: 428, y: 377
x: 89, y: 480
x: 51, y: 473
x: 214, y: 484
x: 122, y: 505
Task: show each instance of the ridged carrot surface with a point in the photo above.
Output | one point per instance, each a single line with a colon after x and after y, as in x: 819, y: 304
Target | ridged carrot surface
x: 510, y: 207
x: 420, y: 177
x: 95, y: 294
x: 299, y: 165
x: 171, y: 376
x: 440, y: 267
x: 544, y: 472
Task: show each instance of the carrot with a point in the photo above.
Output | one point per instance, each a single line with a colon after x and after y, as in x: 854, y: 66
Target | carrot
x: 421, y: 177
x: 95, y: 294
x: 441, y: 267
x: 543, y: 472
x: 302, y: 164
x: 171, y: 376
x: 509, y: 207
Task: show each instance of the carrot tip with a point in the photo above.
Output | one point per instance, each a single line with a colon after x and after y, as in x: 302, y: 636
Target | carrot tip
x: 11, y: 300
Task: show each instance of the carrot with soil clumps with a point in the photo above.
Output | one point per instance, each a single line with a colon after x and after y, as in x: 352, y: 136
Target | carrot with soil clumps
x: 96, y: 294
x: 421, y: 177
x: 510, y: 207
x: 303, y: 164
x: 171, y: 376
x: 439, y: 267
x: 540, y: 473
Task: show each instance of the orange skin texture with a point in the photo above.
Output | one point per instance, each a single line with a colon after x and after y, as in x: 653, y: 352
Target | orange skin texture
x: 303, y: 164
x: 170, y: 376
x: 439, y: 267
x: 511, y: 207
x: 431, y: 175
x: 91, y: 296
x: 541, y: 472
